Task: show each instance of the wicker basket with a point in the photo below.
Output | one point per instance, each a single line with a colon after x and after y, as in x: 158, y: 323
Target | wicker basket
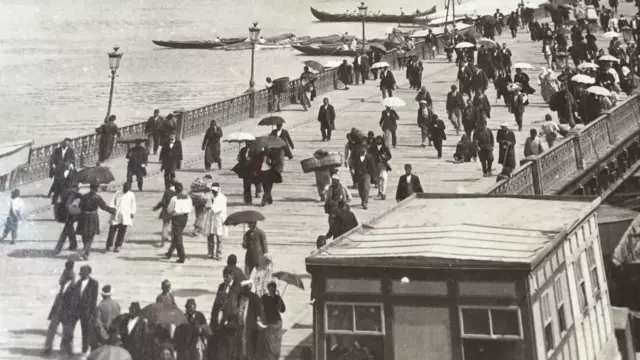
x: 330, y: 161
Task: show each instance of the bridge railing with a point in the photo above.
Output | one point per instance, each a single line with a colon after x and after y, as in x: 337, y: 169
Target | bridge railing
x: 548, y: 172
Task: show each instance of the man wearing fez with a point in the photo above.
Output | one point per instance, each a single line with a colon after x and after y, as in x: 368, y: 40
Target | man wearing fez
x: 61, y: 163
x: 107, y: 311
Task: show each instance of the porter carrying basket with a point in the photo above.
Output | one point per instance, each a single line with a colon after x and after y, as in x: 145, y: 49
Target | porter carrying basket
x: 331, y: 160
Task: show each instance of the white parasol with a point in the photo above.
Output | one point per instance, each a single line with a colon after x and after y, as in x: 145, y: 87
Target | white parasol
x: 607, y: 58
x: 611, y: 35
x: 488, y: 43
x: 379, y: 65
x: 514, y: 87
x: 238, y: 137
x: 523, y: 66
x: 587, y: 65
x: 393, y: 102
x: 599, y: 90
x: 464, y: 45
x: 583, y: 79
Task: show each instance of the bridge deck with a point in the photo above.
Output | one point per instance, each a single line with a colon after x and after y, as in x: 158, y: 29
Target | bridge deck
x: 29, y: 272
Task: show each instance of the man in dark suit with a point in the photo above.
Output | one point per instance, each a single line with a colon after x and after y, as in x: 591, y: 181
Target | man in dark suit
x: 217, y: 347
x: 438, y: 134
x: 360, y: 67
x: 387, y: 82
x: 61, y: 311
x: 151, y: 130
x: 431, y: 43
x: 455, y: 105
x: 482, y: 108
x: 479, y: 80
x: 61, y: 163
x: 408, y: 184
x: 132, y: 332
x: 326, y: 117
x: 190, y: 338
x: 389, y: 125
x: 381, y: 156
x: 255, y: 241
x: 170, y: 158
x: 284, y: 135
x: 364, y: 170
x: 85, y: 301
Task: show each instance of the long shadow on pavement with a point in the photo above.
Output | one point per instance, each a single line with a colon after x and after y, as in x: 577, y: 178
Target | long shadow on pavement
x: 38, y: 253
x: 39, y: 332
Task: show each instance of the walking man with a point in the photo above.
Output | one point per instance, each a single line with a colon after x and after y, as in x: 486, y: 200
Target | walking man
x: 455, y: 105
x: 84, y: 300
x: 389, y: 125
x: 211, y: 146
x: 137, y: 165
x: 326, y: 118
x: 214, y: 227
x: 381, y: 156
x: 438, y: 134
x: 408, y: 184
x: 364, y: 170
x: 284, y: 135
x: 507, y: 155
x: 106, y: 312
x: 62, y: 161
x: 483, y: 138
x: 170, y: 158
x: 61, y: 311
x: 151, y: 130
x: 431, y: 43
x: 179, y: 209
x: 360, y: 67
x: 387, y: 82
x: 255, y: 242
x: 125, y: 204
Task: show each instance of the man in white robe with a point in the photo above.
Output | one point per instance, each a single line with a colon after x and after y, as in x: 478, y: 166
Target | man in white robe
x: 214, y: 225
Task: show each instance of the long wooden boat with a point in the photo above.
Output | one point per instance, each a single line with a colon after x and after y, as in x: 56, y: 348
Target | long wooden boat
x: 13, y: 155
x: 198, y: 44
x: 324, y: 50
x: 383, y: 18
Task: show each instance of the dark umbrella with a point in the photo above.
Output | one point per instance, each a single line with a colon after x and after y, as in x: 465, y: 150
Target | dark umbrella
x: 271, y: 121
x: 314, y: 65
x: 163, y: 314
x: 487, y: 20
x: 95, y: 175
x: 132, y: 139
x: 109, y: 352
x: 564, y: 31
x: 243, y: 217
x: 379, y: 47
x: 267, y: 142
x: 289, y: 278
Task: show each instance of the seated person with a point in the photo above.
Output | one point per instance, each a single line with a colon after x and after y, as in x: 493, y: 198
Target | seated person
x: 465, y: 150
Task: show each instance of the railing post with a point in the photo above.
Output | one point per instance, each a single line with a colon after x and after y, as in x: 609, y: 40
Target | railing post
x: 180, y: 121
x: 252, y: 105
x: 536, y: 173
x: 578, y: 152
x: 610, y: 131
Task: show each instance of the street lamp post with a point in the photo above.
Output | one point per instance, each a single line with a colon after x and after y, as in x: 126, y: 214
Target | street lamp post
x: 254, y: 37
x: 363, y: 13
x: 114, y: 64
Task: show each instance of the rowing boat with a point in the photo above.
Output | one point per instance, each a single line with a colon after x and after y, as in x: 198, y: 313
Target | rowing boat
x: 198, y: 44
x: 382, y: 18
x: 326, y: 50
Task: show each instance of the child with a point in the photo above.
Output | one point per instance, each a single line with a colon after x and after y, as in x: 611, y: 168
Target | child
x: 13, y: 219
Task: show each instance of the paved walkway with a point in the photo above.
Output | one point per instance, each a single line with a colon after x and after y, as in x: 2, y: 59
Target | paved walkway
x: 29, y: 271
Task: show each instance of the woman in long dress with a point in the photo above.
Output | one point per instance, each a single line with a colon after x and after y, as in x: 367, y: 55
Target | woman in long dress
x: 211, y: 146
x: 89, y: 221
x: 548, y: 84
x: 108, y: 132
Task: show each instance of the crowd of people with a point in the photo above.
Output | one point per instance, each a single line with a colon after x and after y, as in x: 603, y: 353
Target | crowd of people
x: 245, y: 320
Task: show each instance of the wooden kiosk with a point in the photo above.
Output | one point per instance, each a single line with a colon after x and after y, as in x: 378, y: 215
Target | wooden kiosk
x: 473, y: 277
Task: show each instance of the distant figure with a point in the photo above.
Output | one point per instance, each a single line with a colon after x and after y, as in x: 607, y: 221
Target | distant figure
x: 108, y: 133
x: 326, y: 118
x: 166, y: 297
x: 214, y: 227
x: 262, y: 40
x: 137, y: 165
x: 255, y: 242
x: 151, y: 130
x: 106, y: 312
x: 170, y: 159
x: 408, y: 184
x: 387, y: 82
x: 211, y: 146
x: 507, y: 141
x: 61, y: 311
x: 84, y: 308
x: 179, y: 209
x: 284, y: 135
x: 61, y: 164
x: 124, y: 202
x: 88, y: 220
x: 217, y: 40
x: 16, y: 214
x: 533, y: 145
x: 401, y: 11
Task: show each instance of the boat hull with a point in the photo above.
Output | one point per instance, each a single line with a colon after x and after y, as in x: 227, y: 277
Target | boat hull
x: 384, y: 18
x: 13, y: 156
x: 204, y: 45
x: 323, y: 51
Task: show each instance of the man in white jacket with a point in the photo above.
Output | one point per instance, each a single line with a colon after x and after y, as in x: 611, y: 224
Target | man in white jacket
x: 214, y: 225
x: 125, y: 204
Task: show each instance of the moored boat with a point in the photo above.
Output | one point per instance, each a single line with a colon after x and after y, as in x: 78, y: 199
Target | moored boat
x: 198, y: 44
x: 326, y: 50
x: 382, y: 18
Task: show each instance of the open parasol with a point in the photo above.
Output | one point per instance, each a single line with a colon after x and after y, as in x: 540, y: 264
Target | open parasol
x: 514, y: 87
x: 271, y: 121
x: 583, y: 79
x: 109, y: 352
x: 393, y: 102
x: 607, y: 58
x: 599, y: 90
x: 96, y: 175
x: 312, y: 64
x: 243, y: 217
x: 163, y: 314
x: 464, y: 45
x: 289, y: 279
x: 379, y: 65
x: 378, y: 47
x: 611, y: 35
x: 239, y: 137
x: 267, y: 142
x: 488, y: 43
x: 132, y: 139
x: 587, y: 65
x: 523, y: 66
